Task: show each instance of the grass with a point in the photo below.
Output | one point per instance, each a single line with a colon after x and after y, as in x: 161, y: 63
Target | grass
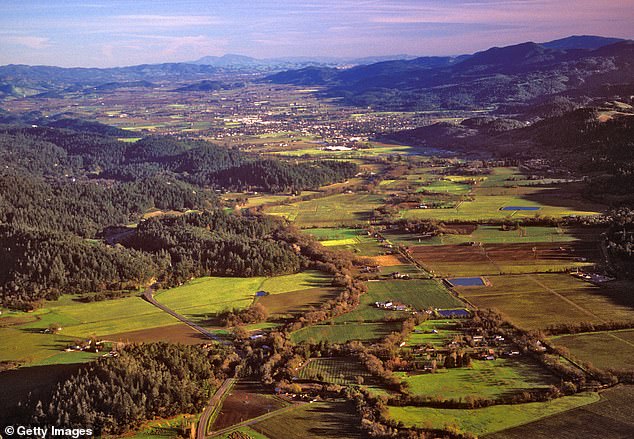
x: 202, y: 298
x: 327, y: 420
x: 423, y: 335
x: 24, y: 342
x: 486, y: 379
x: 612, y: 416
x: 419, y: 294
x: 609, y: 350
x: 342, y: 333
x: 489, y: 419
x: 538, y: 301
x: 246, y: 430
x: 329, y: 234
x: 330, y: 211
x: 163, y: 428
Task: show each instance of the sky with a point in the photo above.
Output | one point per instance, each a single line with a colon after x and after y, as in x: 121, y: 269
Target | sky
x: 105, y: 33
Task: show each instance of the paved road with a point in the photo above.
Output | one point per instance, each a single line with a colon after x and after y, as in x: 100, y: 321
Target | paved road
x: 201, y: 431
x: 148, y: 295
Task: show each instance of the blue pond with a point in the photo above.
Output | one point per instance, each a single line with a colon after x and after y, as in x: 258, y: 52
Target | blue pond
x: 520, y: 208
x: 466, y: 281
x: 453, y: 313
x: 261, y: 294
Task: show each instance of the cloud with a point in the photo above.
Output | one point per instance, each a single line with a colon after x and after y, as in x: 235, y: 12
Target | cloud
x: 166, y: 21
x: 32, y: 42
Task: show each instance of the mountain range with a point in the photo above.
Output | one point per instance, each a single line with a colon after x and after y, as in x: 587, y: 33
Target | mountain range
x: 582, y: 67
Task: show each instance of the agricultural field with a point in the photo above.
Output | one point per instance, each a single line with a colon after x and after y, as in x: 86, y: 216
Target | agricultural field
x: 489, y: 419
x: 246, y: 400
x: 331, y: 211
x: 418, y: 294
x: 327, y: 420
x: 201, y: 299
x: 342, y: 371
x: 23, y: 340
x: 489, y: 259
x: 487, y: 234
x: 612, y: 416
x: 540, y: 300
x: 285, y: 305
x: 165, y: 428
x: 605, y: 350
x: 341, y: 333
x: 485, y: 379
x: 424, y: 333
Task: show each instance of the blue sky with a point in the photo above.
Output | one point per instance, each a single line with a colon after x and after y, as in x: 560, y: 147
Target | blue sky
x: 114, y: 32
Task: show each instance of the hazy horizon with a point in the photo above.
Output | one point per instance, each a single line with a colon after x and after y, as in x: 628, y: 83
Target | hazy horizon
x: 119, y: 33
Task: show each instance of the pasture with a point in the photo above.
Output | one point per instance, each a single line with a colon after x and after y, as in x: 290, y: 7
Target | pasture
x: 489, y: 419
x: 417, y: 294
x: 612, y: 416
x: 605, y: 350
x: 201, y: 299
x: 330, y: 211
x: 327, y: 420
x: 540, y: 300
x: 485, y: 379
x: 424, y: 333
x: 25, y: 342
x: 341, y: 333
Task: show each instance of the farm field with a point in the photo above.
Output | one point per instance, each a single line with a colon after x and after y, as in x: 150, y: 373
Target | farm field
x: 202, y: 298
x: 331, y: 211
x: 485, y: 379
x: 540, y: 300
x: 423, y: 334
x: 178, y: 333
x: 494, y: 235
x: 328, y: 420
x: 419, y: 294
x: 488, y: 259
x: 163, y: 428
x: 342, y: 371
x: 283, y: 305
x: 246, y: 400
x: 611, y: 417
x: 25, y: 342
x: 489, y: 419
x: 334, y: 233
x: 341, y: 333
x: 605, y: 350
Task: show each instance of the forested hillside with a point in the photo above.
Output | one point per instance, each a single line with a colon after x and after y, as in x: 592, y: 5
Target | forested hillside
x: 60, y: 189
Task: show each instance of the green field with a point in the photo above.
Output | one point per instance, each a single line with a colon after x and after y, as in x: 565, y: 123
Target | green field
x: 343, y: 371
x: 329, y: 234
x: 494, y: 235
x: 495, y: 192
x: 331, y: 211
x: 423, y: 334
x: 328, y: 420
x: 611, y: 417
x: 446, y: 186
x: 489, y: 419
x: 202, y: 298
x: 342, y: 333
x: 540, y: 300
x: 609, y: 350
x: 24, y: 342
x: 419, y: 294
x: 164, y: 428
x: 486, y: 379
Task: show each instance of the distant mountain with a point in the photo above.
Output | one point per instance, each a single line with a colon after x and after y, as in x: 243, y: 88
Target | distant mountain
x: 589, y: 42
x: 241, y: 62
x: 209, y: 85
x: 514, y: 74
